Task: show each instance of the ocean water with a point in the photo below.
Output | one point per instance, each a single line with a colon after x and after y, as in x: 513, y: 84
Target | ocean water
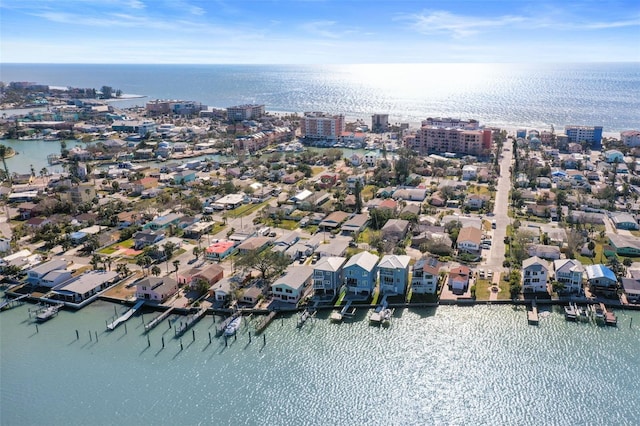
x: 447, y: 366
x: 513, y: 95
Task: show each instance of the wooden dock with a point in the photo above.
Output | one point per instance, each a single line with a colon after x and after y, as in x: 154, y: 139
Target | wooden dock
x: 157, y: 320
x: 125, y: 316
x: 532, y: 315
x: 9, y: 303
x: 264, y: 322
x: 191, y: 320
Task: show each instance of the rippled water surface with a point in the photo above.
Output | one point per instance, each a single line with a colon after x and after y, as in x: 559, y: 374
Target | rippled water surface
x: 480, y: 365
x: 533, y: 95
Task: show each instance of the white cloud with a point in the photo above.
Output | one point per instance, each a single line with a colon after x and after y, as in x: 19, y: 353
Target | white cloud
x: 321, y: 28
x: 443, y: 22
x: 461, y: 26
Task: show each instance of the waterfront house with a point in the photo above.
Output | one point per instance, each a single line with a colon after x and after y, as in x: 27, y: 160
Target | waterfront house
x: 534, y: 275
x: 146, y: 238
x: 424, y: 279
x: 458, y: 280
x: 631, y: 287
x: 81, y: 288
x: 601, y: 279
x: 37, y: 273
x: 250, y: 296
x: 222, y: 290
x: 157, y: 289
x: 360, y: 273
x: 395, y: 229
x: 55, y: 277
x: 290, y: 287
x: 569, y: 272
x: 211, y: 273
x: 220, y: 250
x: 394, y: 274
x: 469, y: 239
x: 327, y: 275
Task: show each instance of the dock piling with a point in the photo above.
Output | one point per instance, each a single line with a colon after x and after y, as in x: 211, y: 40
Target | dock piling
x: 96, y: 336
x: 142, y: 318
x: 193, y: 334
x: 162, y: 342
x: 125, y: 328
x: 209, y: 337
x: 77, y: 335
x: 115, y: 310
x: 37, y: 328
x: 148, y: 341
x: 225, y: 341
x: 181, y: 347
x: 235, y: 337
x: 264, y: 339
x: 249, y: 337
x: 630, y: 322
x: 90, y: 338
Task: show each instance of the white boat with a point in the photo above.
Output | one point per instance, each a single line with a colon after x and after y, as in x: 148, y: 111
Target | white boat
x: 233, y: 327
x: 570, y: 313
x: 47, y: 313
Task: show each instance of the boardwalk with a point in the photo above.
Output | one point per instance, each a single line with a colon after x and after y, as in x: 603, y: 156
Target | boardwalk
x: 126, y: 316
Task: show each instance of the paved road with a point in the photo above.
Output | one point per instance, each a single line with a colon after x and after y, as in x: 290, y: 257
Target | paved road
x: 500, y: 210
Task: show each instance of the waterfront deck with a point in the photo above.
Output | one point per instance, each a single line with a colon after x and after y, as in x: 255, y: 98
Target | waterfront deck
x: 532, y: 315
x: 157, y: 320
x: 125, y: 316
x: 191, y: 320
x: 264, y: 322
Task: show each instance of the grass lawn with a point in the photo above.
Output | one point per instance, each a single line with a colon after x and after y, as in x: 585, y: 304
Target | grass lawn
x: 340, y: 298
x: 316, y: 170
x: 483, y: 289
x: 364, y: 236
x: 597, y: 255
x: 368, y: 192
x: 218, y: 227
x: 127, y: 243
x: 109, y: 250
x: 312, y: 229
x: 246, y: 210
x: 283, y: 224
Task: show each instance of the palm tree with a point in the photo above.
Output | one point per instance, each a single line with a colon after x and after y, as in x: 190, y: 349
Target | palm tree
x: 155, y: 270
x: 3, y: 153
x: 176, y: 264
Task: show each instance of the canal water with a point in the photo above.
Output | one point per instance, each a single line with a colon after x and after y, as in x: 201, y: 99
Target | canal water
x: 450, y: 365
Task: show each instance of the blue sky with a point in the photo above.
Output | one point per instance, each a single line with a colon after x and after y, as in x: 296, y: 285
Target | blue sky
x: 318, y: 31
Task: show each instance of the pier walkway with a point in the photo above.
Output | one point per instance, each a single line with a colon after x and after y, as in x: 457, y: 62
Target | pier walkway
x: 125, y: 316
x: 191, y: 320
x: 157, y: 320
x: 10, y: 303
x: 264, y: 322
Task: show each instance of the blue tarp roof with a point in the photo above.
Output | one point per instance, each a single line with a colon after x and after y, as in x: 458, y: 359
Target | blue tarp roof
x: 600, y: 271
